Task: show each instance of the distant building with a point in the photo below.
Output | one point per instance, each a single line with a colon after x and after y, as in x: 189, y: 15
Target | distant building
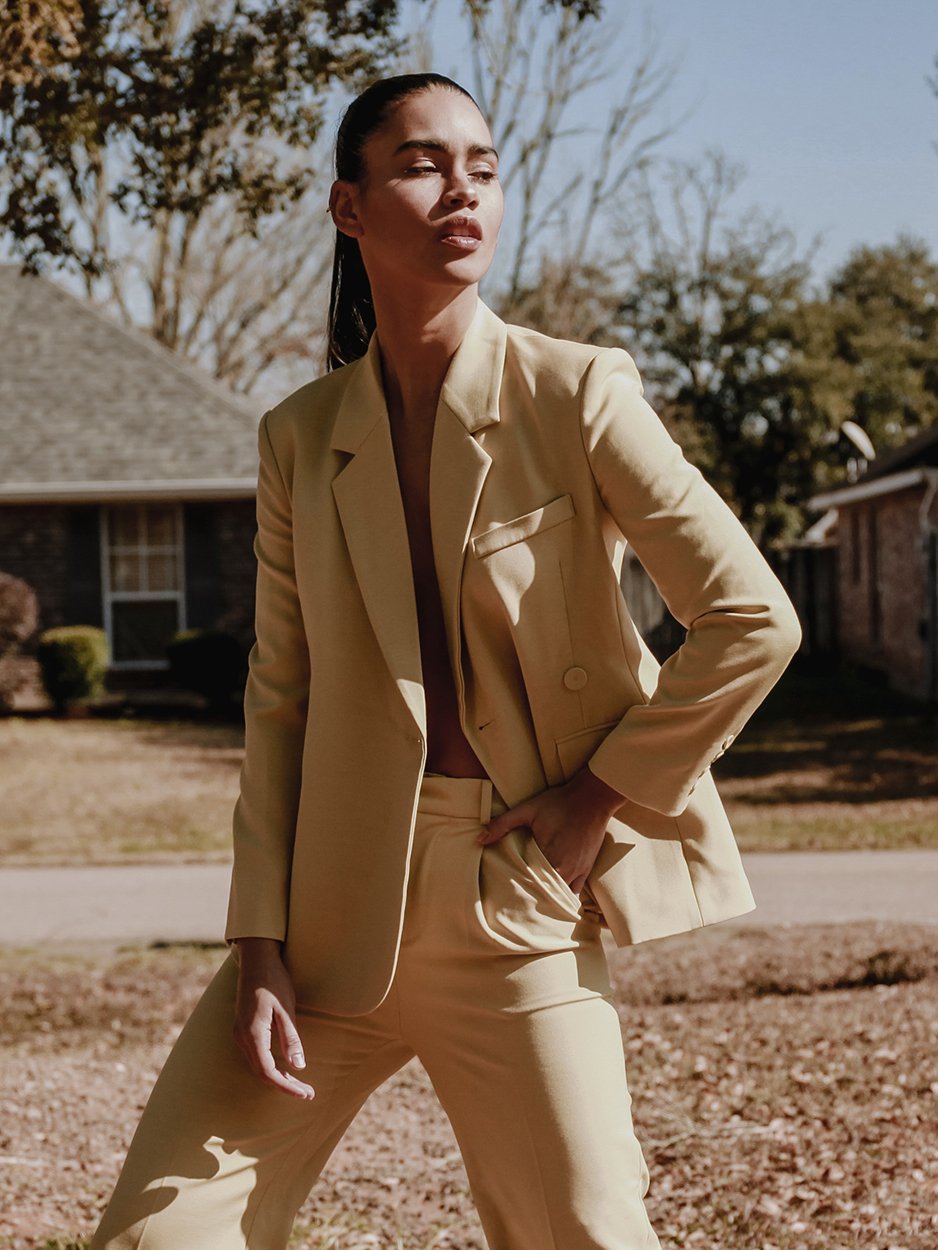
x: 885, y: 526
x: 127, y: 477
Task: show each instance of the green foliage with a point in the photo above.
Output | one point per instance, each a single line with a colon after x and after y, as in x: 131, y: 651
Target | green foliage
x: 755, y: 374
x: 73, y: 660
x: 209, y: 662
x: 190, y: 96
x: 878, y: 329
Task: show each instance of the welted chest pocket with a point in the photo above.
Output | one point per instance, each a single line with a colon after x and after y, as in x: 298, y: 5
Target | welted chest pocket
x: 522, y: 527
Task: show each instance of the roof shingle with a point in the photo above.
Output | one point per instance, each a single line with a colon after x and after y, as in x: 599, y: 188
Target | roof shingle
x: 85, y: 400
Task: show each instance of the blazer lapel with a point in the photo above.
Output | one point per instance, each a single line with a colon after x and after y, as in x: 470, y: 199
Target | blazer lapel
x: 459, y: 463
x: 368, y: 497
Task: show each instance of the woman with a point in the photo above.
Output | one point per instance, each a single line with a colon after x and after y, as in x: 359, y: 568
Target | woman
x: 461, y: 760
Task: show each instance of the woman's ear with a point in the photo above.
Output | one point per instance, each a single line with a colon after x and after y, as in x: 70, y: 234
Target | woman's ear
x: 342, y: 206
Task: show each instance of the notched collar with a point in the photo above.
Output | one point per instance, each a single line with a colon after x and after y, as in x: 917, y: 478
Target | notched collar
x: 470, y: 388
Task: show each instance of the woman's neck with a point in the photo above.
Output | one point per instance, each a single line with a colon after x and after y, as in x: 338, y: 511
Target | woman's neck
x: 418, y: 338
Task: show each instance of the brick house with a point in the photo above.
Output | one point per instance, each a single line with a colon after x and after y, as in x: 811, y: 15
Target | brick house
x: 127, y: 479
x: 886, y: 529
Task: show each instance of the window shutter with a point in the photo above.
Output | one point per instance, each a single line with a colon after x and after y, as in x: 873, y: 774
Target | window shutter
x: 203, y: 590
x: 83, y: 604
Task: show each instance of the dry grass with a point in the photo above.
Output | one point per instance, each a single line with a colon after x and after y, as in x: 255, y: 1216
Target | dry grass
x: 823, y: 765
x: 107, y: 791
x: 784, y: 1090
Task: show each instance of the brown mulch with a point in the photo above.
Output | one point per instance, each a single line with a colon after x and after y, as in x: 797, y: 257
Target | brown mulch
x: 784, y: 1085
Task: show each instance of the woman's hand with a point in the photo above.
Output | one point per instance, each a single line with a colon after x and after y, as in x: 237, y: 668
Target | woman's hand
x: 266, y: 1000
x: 568, y: 822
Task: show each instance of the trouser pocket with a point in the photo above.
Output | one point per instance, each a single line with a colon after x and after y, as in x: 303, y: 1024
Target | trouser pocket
x: 541, y: 866
x: 524, y: 903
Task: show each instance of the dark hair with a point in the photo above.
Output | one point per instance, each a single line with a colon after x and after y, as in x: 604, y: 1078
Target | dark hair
x: 351, y: 311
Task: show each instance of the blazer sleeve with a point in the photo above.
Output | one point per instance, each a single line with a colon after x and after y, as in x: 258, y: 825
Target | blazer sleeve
x: 276, y: 700
x: 742, y: 629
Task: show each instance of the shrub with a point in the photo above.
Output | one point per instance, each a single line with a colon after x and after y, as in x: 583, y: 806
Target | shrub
x: 209, y: 662
x: 19, y: 617
x: 73, y: 660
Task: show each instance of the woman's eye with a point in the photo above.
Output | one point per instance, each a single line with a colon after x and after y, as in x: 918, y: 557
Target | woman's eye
x: 485, y: 174
x: 422, y: 169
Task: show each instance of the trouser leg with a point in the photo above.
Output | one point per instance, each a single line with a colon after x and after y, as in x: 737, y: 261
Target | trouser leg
x: 507, y: 1001
x: 540, y: 1105
x: 222, y: 1161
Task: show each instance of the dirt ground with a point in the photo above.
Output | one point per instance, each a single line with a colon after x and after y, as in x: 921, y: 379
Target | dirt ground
x: 784, y: 1085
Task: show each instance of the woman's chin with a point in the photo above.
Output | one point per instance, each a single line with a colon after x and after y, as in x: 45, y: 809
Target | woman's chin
x: 456, y: 274
x: 466, y: 270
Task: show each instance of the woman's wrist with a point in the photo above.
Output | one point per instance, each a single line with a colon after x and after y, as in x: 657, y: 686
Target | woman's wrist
x: 595, y: 793
x: 258, y: 949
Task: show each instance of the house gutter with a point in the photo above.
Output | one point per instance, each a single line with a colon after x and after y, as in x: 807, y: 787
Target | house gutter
x: 869, y: 490
x: 104, y: 491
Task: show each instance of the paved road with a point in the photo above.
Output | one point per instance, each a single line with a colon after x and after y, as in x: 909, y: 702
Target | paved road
x: 186, y: 902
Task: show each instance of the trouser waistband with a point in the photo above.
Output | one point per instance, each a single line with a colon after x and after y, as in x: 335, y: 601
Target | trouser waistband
x: 467, y: 797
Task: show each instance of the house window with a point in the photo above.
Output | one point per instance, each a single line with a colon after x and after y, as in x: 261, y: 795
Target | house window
x: 142, y: 578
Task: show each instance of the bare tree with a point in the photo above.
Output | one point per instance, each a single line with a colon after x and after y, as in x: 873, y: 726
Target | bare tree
x: 530, y: 72
x: 249, y: 307
x: 243, y: 305
x: 714, y: 312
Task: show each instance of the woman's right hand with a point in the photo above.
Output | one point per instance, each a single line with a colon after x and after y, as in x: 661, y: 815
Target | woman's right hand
x: 266, y: 1001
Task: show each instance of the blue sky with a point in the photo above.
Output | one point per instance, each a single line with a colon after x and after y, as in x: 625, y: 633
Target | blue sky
x: 825, y: 102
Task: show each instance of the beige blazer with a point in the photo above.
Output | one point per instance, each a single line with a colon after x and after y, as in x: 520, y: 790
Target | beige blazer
x: 546, y: 460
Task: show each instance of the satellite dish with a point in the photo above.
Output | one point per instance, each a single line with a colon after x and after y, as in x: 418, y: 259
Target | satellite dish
x: 860, y: 439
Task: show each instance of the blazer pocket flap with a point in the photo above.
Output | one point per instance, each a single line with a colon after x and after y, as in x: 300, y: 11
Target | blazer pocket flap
x: 522, y: 527
x: 575, y: 749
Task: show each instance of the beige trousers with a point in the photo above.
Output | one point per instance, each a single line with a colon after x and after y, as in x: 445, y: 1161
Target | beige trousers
x: 501, y: 990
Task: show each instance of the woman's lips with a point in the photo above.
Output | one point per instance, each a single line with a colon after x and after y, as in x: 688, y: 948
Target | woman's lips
x: 462, y: 231
x: 464, y: 242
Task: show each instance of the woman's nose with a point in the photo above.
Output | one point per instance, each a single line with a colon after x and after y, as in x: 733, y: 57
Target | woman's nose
x: 460, y: 191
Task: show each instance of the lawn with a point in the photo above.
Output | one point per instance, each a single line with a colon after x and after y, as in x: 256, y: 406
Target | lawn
x: 823, y: 764
x: 784, y: 1089
x: 833, y: 764
x: 98, y: 791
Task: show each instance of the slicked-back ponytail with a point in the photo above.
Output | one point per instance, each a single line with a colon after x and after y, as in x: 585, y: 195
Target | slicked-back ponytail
x: 351, y: 310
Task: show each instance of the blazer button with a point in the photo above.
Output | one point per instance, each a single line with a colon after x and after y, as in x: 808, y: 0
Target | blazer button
x: 575, y: 678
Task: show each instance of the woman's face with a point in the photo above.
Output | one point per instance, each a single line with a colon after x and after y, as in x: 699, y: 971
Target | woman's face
x: 429, y: 206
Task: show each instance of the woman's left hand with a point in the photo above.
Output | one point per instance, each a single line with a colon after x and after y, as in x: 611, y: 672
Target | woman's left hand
x: 568, y: 822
